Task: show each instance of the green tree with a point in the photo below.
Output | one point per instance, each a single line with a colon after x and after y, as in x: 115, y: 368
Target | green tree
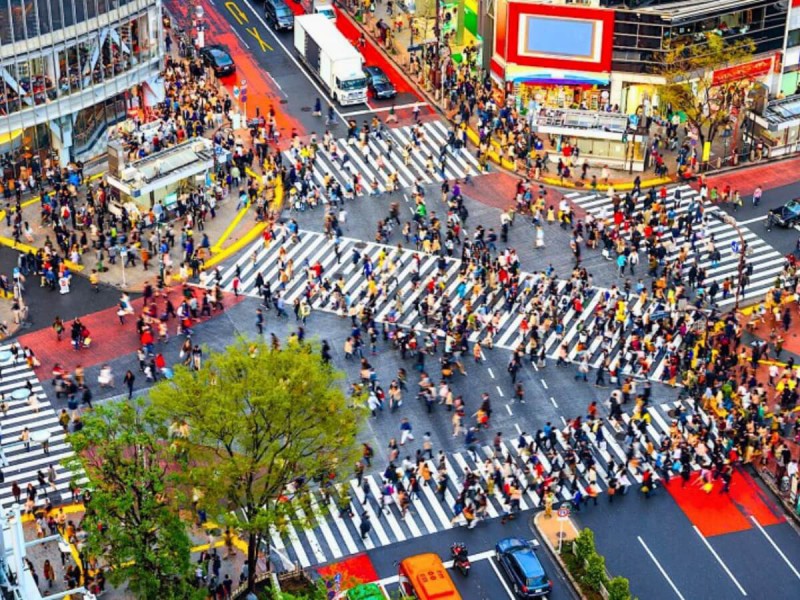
x: 584, y: 545
x: 688, y: 68
x: 260, y: 421
x: 595, y: 574
x: 132, y: 521
x: 619, y: 589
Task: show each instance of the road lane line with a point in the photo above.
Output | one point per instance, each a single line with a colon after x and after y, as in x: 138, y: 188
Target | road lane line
x: 241, y: 39
x: 500, y: 577
x: 356, y: 113
x: 519, y: 429
x: 491, y: 373
x: 661, y: 569
x: 500, y: 391
x: 296, y: 62
x: 719, y: 560
x: 508, y: 408
x: 553, y: 400
x: 754, y: 220
x: 544, y: 383
x: 774, y: 545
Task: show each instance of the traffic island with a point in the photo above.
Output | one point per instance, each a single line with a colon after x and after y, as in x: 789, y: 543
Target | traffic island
x: 575, y: 553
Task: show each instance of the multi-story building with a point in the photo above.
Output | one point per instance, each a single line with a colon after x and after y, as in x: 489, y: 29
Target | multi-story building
x: 608, y: 52
x: 71, y: 68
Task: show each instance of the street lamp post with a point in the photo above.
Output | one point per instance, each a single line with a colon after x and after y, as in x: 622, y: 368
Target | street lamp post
x: 730, y: 220
x: 123, y: 255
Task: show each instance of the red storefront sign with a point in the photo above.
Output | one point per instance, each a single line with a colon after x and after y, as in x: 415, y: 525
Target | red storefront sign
x: 750, y: 70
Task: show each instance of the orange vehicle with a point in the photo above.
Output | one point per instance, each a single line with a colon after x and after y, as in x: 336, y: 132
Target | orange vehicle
x: 423, y: 576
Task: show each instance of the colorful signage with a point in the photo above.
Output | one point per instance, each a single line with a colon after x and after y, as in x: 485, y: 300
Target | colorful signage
x: 547, y: 36
x: 749, y: 70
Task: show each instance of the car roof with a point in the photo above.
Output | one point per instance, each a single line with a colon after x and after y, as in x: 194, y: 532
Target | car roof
x: 528, y: 562
x: 510, y: 542
x: 373, y: 70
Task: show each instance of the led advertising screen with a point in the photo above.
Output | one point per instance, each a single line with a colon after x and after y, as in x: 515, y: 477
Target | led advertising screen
x: 554, y: 36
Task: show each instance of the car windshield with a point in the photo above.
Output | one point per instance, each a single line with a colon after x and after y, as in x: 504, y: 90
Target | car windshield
x: 793, y: 205
x: 535, y: 582
x: 379, y: 78
x: 327, y: 12
x: 283, y: 11
x: 221, y: 58
x: 353, y: 84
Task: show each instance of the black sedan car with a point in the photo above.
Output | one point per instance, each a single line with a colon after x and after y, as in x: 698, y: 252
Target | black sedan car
x: 378, y: 83
x: 787, y: 215
x: 522, y: 568
x: 218, y: 59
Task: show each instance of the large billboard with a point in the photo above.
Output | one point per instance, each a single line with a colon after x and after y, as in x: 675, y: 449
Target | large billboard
x: 563, y: 37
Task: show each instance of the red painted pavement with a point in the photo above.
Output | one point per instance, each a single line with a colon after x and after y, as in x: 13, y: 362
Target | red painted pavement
x: 715, y: 513
x: 372, y: 55
x: 354, y: 570
x: 768, y: 175
x: 262, y: 92
x: 110, y: 340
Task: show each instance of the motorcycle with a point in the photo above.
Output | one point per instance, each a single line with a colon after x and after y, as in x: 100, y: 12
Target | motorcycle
x: 460, y: 557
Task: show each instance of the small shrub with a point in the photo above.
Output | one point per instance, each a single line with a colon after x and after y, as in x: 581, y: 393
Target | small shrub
x: 595, y: 575
x: 618, y: 589
x: 584, y: 545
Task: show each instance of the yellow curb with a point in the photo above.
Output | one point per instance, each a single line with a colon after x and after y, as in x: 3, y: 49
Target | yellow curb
x: 748, y: 310
x: 243, y: 241
x: 251, y: 235
x: 624, y: 186
x: 494, y: 155
x: 20, y: 247
x: 229, y: 229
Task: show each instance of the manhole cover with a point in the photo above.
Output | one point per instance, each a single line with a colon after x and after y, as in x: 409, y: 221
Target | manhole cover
x: 305, y: 109
x: 361, y: 245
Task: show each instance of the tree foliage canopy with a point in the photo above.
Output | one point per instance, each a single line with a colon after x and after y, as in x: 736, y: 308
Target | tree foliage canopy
x: 688, y: 68
x: 258, y: 421
x: 132, y: 520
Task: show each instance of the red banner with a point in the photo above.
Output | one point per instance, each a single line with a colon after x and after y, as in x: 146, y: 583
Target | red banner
x: 750, y: 70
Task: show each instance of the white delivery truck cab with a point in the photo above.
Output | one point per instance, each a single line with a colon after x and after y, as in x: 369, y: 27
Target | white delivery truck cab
x: 331, y: 58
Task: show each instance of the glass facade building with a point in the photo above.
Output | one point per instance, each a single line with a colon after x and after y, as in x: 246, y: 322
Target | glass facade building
x: 71, y: 68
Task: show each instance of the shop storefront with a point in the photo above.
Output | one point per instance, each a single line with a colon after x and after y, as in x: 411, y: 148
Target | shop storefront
x: 570, y: 94
x: 777, y: 130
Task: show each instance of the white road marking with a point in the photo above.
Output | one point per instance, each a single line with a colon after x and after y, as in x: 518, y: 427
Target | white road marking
x: 500, y: 391
x: 508, y: 408
x: 293, y: 58
x: 719, y: 560
x: 500, y: 577
x: 448, y: 564
x: 241, y: 39
x: 356, y: 113
x: 660, y: 568
x: 519, y: 429
x: 753, y: 220
x: 553, y: 400
x: 491, y: 373
x: 774, y: 545
x: 544, y: 383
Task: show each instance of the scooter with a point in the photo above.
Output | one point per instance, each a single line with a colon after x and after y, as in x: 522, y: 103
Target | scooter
x: 460, y: 558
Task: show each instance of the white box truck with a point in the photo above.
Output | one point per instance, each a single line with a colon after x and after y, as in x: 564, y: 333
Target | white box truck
x: 331, y: 58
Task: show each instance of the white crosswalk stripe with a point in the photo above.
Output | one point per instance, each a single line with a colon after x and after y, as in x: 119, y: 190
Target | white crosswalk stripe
x: 18, y: 464
x: 603, y: 337
x: 767, y: 263
x: 351, y: 159
x: 335, y: 533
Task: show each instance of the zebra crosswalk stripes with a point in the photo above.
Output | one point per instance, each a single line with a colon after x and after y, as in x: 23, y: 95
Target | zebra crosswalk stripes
x: 767, y: 262
x: 19, y: 464
x: 410, y: 281
x: 332, y: 523
x: 352, y: 159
